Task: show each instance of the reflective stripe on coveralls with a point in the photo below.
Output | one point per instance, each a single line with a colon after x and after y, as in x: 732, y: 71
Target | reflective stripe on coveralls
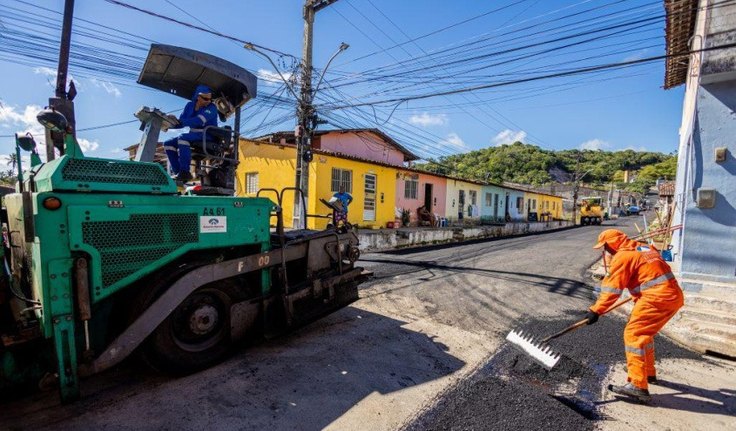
x: 656, y: 293
x: 650, y: 283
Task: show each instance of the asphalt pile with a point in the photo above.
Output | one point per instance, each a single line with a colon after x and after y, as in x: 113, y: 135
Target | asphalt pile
x: 513, y: 392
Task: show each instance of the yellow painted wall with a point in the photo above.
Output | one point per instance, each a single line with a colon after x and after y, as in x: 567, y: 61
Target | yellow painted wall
x: 320, y: 184
x: 553, y: 204
x: 276, y: 169
x: 544, y: 204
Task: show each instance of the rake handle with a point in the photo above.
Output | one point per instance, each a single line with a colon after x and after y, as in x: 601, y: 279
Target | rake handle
x: 583, y: 322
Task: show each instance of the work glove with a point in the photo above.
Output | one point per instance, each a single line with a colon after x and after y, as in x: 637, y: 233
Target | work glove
x: 592, y: 317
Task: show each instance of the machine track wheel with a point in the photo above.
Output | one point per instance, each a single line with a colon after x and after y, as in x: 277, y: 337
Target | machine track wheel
x: 195, y: 336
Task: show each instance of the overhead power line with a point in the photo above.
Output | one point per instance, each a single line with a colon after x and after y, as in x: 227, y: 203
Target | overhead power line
x: 536, y: 78
x: 196, y: 27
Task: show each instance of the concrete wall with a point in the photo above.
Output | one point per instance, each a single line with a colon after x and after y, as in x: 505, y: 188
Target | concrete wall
x: 488, y: 206
x: 516, y: 211
x: 439, y: 193
x: 320, y: 185
x: 452, y: 207
x: 704, y: 247
x: 704, y: 257
x: 400, y: 238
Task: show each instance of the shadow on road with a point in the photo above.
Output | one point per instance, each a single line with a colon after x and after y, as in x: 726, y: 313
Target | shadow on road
x: 305, y: 380
x: 557, y: 285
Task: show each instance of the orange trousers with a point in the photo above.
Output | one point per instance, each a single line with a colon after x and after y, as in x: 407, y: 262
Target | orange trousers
x: 647, y: 319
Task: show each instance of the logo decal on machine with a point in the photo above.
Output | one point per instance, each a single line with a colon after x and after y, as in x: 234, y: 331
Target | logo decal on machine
x: 209, y: 224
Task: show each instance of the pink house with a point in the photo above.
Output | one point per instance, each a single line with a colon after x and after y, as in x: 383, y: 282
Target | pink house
x: 366, y: 144
x: 415, y: 189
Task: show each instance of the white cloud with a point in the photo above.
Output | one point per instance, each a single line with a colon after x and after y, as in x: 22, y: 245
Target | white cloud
x: 508, y: 137
x: 86, y: 145
x: 272, y: 78
x: 455, y: 141
x: 21, y: 122
x: 636, y: 56
x: 640, y: 148
x: 51, y: 73
x: 24, y: 121
x: 595, y: 144
x: 108, y: 86
x: 44, y: 71
x: 425, y: 119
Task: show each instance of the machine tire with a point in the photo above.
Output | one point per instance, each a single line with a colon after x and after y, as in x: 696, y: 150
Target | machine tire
x: 195, y: 336
x: 171, y: 348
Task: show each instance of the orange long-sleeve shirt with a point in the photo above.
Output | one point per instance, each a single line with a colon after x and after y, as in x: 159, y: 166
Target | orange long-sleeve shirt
x: 639, y: 268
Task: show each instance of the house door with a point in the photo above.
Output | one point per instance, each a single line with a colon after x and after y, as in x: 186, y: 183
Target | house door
x: 460, y: 203
x: 495, y: 205
x: 428, y: 197
x: 508, y: 213
x: 369, y: 203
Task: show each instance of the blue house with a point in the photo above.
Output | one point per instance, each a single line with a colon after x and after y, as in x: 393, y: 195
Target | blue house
x: 704, y: 249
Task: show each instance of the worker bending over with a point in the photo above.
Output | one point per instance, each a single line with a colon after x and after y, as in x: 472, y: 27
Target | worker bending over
x: 657, y: 297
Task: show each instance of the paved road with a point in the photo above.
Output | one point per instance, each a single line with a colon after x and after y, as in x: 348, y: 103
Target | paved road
x: 422, y: 348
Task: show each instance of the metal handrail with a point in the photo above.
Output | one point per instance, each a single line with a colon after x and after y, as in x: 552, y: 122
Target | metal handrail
x: 204, y: 143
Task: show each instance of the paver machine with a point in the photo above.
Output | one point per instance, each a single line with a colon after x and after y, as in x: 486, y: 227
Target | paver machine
x: 105, y: 258
x: 591, y: 210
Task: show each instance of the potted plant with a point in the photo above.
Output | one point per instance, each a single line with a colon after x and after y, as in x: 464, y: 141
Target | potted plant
x: 405, y: 217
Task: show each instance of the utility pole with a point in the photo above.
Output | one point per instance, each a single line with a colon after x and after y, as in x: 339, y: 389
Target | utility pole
x: 575, y: 188
x: 305, y: 112
x: 62, y: 102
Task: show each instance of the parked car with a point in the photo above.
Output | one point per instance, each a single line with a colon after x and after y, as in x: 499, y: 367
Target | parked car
x: 633, y: 210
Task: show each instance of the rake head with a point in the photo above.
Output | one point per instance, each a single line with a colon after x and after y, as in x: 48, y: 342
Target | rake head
x: 537, y: 351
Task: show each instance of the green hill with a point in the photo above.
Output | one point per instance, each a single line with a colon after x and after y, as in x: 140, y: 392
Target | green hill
x: 529, y: 164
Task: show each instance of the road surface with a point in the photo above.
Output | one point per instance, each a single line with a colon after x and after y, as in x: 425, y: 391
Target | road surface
x: 422, y: 349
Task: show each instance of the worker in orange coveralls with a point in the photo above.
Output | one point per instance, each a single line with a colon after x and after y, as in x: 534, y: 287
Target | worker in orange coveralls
x: 657, y: 296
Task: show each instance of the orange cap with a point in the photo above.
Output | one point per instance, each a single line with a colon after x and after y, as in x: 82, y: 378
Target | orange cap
x: 613, y: 237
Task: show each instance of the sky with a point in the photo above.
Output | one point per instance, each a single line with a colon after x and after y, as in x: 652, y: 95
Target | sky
x: 439, y: 77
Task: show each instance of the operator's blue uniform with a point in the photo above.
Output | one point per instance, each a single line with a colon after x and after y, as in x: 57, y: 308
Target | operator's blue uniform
x: 178, y: 150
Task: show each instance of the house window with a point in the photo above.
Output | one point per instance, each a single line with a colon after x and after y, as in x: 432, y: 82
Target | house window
x: 342, y: 177
x: 410, y: 188
x: 488, y: 199
x: 553, y: 205
x: 546, y: 205
x: 251, y: 183
x: 473, y: 197
x: 520, y: 203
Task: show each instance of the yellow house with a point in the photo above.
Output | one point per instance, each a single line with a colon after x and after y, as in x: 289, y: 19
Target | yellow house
x: 270, y: 163
x: 551, y: 206
x: 543, y: 206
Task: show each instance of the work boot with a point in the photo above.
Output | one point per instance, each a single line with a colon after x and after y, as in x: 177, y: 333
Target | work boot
x: 184, y: 176
x: 641, y: 395
x: 650, y: 379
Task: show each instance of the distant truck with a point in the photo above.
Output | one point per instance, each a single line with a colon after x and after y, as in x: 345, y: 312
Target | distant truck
x: 591, y: 211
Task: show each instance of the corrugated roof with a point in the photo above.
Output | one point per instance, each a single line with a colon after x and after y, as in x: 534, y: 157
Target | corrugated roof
x: 667, y: 188
x: 680, y: 25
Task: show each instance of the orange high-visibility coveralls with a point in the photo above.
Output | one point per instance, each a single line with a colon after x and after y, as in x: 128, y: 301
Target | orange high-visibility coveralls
x: 657, y: 296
